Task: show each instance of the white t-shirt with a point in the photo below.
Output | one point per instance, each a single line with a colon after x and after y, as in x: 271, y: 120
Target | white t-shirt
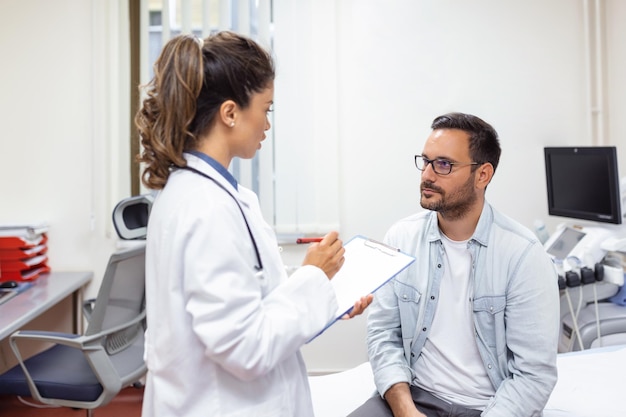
x: 450, y: 366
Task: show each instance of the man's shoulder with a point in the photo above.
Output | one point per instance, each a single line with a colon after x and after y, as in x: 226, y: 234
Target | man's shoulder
x: 508, y: 236
x: 415, y: 218
x: 416, y: 221
x: 513, y: 228
x: 407, y: 232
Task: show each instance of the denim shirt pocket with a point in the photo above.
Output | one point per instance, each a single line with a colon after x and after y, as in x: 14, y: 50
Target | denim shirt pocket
x: 408, y: 296
x: 408, y: 306
x: 489, y: 313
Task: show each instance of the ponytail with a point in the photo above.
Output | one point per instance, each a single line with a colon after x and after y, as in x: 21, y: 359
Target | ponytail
x: 169, y: 109
x: 192, y: 79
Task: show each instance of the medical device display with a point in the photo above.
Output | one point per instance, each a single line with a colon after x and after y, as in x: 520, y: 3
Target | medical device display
x: 583, y: 183
x: 564, y: 242
x: 578, y: 245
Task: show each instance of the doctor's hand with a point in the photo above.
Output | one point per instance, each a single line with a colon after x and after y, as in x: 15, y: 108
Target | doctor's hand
x: 359, y: 306
x: 326, y: 255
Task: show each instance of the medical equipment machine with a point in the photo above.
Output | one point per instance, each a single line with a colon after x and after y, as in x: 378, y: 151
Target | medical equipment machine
x: 608, y: 331
x: 588, y: 279
x: 583, y: 183
x: 578, y: 246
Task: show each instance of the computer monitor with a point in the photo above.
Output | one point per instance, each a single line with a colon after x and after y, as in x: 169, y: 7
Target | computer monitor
x: 583, y: 183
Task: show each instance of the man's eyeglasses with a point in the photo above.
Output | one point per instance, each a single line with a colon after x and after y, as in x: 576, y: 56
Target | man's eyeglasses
x: 440, y: 166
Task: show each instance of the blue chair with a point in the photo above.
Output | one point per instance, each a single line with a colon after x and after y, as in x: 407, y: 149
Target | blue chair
x: 87, y: 371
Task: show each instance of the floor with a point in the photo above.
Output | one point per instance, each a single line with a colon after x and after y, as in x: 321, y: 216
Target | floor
x: 126, y: 404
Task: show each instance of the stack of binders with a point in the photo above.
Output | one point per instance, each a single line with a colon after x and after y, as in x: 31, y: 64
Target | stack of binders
x: 23, y: 252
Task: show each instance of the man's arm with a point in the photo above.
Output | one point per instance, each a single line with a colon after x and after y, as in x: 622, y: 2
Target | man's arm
x: 385, y: 341
x: 532, y: 326
x: 401, y: 402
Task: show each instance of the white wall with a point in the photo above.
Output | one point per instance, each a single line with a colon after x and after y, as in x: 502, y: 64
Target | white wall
x: 63, y: 146
x: 389, y: 69
x: 616, y: 68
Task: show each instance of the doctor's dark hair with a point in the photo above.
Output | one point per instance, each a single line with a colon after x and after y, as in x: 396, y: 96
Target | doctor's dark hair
x: 192, y: 78
x: 484, y: 145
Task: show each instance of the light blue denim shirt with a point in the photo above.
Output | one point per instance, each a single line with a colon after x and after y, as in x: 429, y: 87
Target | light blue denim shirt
x: 516, y: 310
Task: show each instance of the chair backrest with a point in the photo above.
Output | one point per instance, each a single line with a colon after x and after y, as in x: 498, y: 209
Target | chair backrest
x: 121, y: 299
x: 130, y: 216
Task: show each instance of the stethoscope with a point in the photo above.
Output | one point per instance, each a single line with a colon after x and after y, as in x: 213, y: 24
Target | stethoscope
x: 259, y: 267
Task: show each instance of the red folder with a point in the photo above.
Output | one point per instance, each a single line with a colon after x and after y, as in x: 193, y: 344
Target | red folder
x: 27, y: 275
x: 18, y: 254
x: 22, y: 242
x: 22, y: 264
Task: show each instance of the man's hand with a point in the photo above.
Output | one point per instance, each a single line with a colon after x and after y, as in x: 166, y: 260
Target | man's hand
x: 359, y: 306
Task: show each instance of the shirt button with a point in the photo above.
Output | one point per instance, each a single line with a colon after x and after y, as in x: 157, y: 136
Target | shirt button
x: 424, y: 329
x: 491, y: 308
x: 412, y: 354
x: 489, y: 366
x: 438, y: 265
x: 432, y: 297
x: 405, y: 297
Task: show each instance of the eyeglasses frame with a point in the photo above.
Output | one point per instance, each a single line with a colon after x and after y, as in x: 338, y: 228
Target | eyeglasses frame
x: 430, y: 161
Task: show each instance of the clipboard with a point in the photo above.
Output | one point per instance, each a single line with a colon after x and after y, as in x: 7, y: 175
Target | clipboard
x: 368, y: 265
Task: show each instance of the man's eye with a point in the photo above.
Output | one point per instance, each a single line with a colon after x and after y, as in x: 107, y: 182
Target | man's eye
x: 442, y: 163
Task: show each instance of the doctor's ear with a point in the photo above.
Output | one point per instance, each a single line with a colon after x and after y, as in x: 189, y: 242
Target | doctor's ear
x: 228, y: 113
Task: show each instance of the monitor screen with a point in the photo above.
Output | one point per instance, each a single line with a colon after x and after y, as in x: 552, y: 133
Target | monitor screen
x: 583, y: 183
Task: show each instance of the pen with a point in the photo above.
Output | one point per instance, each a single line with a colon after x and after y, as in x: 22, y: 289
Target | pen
x: 308, y: 239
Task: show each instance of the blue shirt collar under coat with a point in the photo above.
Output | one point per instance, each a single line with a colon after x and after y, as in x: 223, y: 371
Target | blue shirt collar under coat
x: 217, y: 166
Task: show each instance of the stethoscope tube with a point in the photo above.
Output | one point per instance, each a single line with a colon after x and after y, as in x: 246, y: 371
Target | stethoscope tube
x: 259, y: 267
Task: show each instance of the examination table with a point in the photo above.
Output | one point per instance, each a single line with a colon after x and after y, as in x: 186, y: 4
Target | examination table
x: 590, y: 384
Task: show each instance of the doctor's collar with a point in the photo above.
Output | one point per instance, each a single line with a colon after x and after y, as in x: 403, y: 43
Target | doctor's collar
x: 217, y: 166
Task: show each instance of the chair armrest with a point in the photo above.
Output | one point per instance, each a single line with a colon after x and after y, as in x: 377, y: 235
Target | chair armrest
x: 68, y: 339
x: 140, y: 318
x: 94, y: 353
x: 71, y: 339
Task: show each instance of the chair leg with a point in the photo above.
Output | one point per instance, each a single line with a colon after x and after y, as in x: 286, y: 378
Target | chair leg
x: 89, y: 412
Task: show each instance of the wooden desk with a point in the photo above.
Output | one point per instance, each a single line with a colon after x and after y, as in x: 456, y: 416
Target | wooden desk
x: 46, y: 295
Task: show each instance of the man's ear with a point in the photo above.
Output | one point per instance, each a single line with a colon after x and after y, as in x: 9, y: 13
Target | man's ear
x: 484, y: 174
x: 228, y: 113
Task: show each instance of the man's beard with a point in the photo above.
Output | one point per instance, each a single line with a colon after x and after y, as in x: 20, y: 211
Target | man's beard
x: 453, y: 206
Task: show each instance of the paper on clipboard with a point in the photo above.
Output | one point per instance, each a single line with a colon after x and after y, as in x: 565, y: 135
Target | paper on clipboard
x: 368, y: 266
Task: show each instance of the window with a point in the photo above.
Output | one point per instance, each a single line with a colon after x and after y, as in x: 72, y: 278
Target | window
x: 166, y: 19
x: 296, y: 197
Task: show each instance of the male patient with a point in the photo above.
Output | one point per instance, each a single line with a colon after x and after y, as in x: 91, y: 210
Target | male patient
x: 471, y: 328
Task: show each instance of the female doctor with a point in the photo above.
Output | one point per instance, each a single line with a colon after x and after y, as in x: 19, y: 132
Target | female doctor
x: 225, y: 324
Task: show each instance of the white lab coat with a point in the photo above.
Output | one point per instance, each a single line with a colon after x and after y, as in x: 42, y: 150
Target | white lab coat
x: 220, y: 340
